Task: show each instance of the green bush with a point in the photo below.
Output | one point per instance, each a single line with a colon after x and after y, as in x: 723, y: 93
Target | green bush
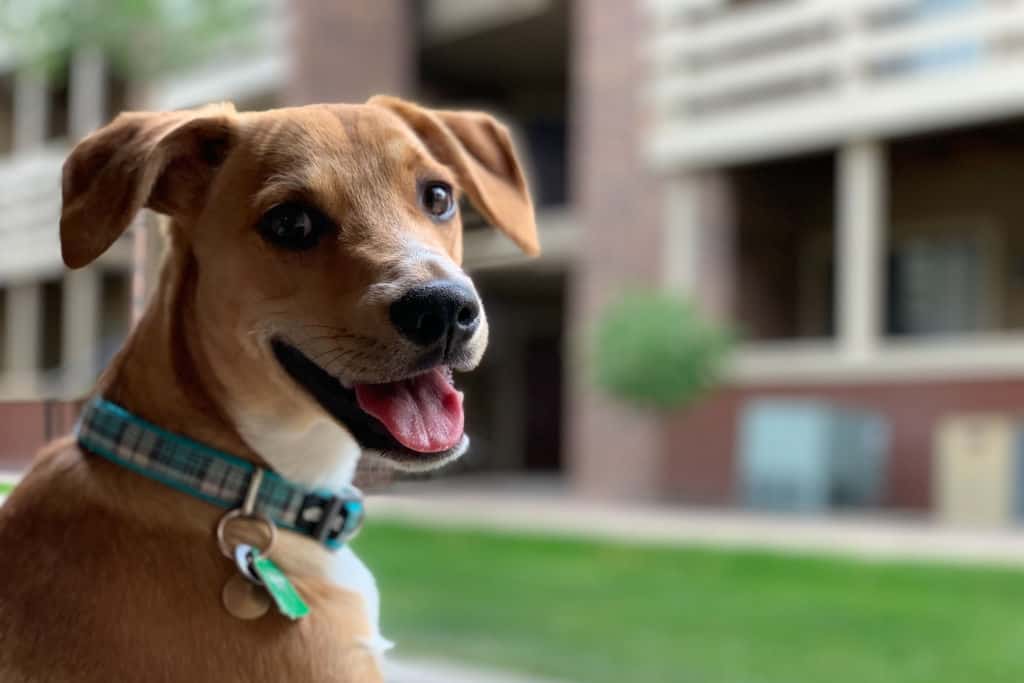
x: 656, y: 350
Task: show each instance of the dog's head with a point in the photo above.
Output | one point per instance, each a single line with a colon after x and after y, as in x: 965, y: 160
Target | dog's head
x: 324, y: 244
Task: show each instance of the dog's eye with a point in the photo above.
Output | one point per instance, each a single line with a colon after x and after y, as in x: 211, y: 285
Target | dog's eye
x: 292, y: 226
x: 438, y: 200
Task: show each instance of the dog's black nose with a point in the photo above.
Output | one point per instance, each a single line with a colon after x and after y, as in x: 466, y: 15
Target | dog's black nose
x: 442, y: 311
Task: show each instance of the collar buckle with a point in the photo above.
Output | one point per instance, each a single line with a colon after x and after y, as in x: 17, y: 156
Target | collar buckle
x: 341, y: 521
x: 107, y: 430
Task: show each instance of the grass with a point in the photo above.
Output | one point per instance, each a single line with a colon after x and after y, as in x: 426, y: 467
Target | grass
x: 5, y: 488
x: 595, y: 612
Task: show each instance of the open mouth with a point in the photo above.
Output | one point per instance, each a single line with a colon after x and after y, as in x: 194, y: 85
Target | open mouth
x: 417, y: 421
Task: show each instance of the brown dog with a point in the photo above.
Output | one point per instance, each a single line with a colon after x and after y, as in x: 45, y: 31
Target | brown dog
x: 310, y: 308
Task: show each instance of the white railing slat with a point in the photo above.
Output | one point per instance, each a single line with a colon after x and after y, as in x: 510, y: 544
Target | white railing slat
x: 745, y: 25
x: 30, y: 205
x: 806, y: 62
x: 976, y: 26
x: 807, y: 72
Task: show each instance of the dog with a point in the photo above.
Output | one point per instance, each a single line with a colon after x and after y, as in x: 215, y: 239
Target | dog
x: 310, y: 310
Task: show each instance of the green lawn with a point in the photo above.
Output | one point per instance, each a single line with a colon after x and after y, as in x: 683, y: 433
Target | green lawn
x: 5, y: 488
x: 595, y: 612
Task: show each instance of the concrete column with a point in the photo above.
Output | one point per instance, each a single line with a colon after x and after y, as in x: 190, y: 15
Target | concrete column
x: 80, y: 345
x: 861, y: 214
x: 23, y: 327
x: 681, y: 251
x: 613, y: 449
x: 31, y: 108
x: 87, y: 92
x: 697, y: 255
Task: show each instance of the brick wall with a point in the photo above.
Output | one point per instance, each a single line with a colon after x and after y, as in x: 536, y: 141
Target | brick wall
x: 347, y: 51
x: 26, y: 425
x: 611, y: 451
x: 700, y: 445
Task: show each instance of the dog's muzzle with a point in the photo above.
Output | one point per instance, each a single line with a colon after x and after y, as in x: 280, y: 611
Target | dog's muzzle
x: 440, y: 316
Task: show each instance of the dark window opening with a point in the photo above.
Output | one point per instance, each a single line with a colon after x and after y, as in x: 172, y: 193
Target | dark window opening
x: 52, y: 325
x: 3, y: 330
x: 58, y: 102
x: 785, y: 246
x: 955, y: 253
x: 519, y: 71
x: 115, y: 313
x: 6, y: 114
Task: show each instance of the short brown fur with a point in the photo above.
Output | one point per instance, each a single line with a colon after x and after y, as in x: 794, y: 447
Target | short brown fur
x: 108, y: 576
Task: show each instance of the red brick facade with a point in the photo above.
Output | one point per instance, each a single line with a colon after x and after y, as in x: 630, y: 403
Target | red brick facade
x: 348, y: 51
x: 700, y: 446
x: 610, y: 450
x: 25, y: 426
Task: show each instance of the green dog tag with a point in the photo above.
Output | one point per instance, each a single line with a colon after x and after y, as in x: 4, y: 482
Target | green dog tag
x: 288, y: 600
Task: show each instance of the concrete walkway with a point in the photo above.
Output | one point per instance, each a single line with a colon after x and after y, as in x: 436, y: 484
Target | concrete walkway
x: 422, y: 671
x: 511, y: 505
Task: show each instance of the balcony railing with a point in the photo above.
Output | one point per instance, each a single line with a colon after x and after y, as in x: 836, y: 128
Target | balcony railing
x: 736, y: 83
x: 30, y: 206
x: 30, y: 201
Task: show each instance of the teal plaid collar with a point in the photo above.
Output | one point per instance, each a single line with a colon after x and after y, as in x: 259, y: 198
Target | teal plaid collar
x: 108, y: 430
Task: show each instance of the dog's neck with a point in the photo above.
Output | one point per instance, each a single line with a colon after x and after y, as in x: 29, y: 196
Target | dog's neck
x: 164, y: 375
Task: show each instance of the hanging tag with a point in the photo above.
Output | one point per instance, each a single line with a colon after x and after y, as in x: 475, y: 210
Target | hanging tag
x: 287, y: 599
x: 244, y: 555
x: 244, y: 599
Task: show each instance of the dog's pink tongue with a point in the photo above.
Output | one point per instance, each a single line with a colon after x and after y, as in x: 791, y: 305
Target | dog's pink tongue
x: 424, y: 413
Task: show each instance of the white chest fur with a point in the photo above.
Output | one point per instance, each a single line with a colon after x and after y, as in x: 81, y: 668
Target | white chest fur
x: 349, y: 572
x: 318, y: 453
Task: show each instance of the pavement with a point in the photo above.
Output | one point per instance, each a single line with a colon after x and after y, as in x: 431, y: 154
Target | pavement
x: 543, y: 506
x: 525, y: 505
x: 426, y: 671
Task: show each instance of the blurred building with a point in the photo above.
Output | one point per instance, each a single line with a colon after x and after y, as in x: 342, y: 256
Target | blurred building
x: 58, y: 329
x: 842, y: 186
x: 837, y: 180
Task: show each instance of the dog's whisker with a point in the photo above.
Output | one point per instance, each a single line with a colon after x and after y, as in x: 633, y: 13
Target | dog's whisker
x: 323, y: 326
x: 342, y: 355
x: 341, y: 331
x: 327, y: 352
x: 321, y: 337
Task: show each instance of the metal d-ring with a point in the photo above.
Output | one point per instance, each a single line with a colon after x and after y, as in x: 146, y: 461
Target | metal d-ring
x: 247, y: 511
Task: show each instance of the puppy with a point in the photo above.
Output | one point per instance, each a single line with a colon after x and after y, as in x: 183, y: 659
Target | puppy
x: 310, y: 308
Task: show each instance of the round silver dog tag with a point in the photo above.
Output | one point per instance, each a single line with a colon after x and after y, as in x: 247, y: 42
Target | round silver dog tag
x: 244, y: 599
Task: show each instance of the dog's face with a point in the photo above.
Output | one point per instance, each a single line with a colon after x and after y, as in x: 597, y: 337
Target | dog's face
x: 325, y: 243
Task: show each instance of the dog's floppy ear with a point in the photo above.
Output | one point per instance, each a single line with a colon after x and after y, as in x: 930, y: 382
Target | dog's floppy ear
x: 163, y: 161
x: 479, y: 150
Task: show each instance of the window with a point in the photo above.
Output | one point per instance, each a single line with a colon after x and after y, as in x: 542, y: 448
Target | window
x: 51, y: 325
x: 3, y: 331
x: 785, y: 240
x: 6, y: 114
x: 115, y: 313
x: 117, y: 94
x: 58, y: 102
x: 938, y: 283
x: 955, y: 256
